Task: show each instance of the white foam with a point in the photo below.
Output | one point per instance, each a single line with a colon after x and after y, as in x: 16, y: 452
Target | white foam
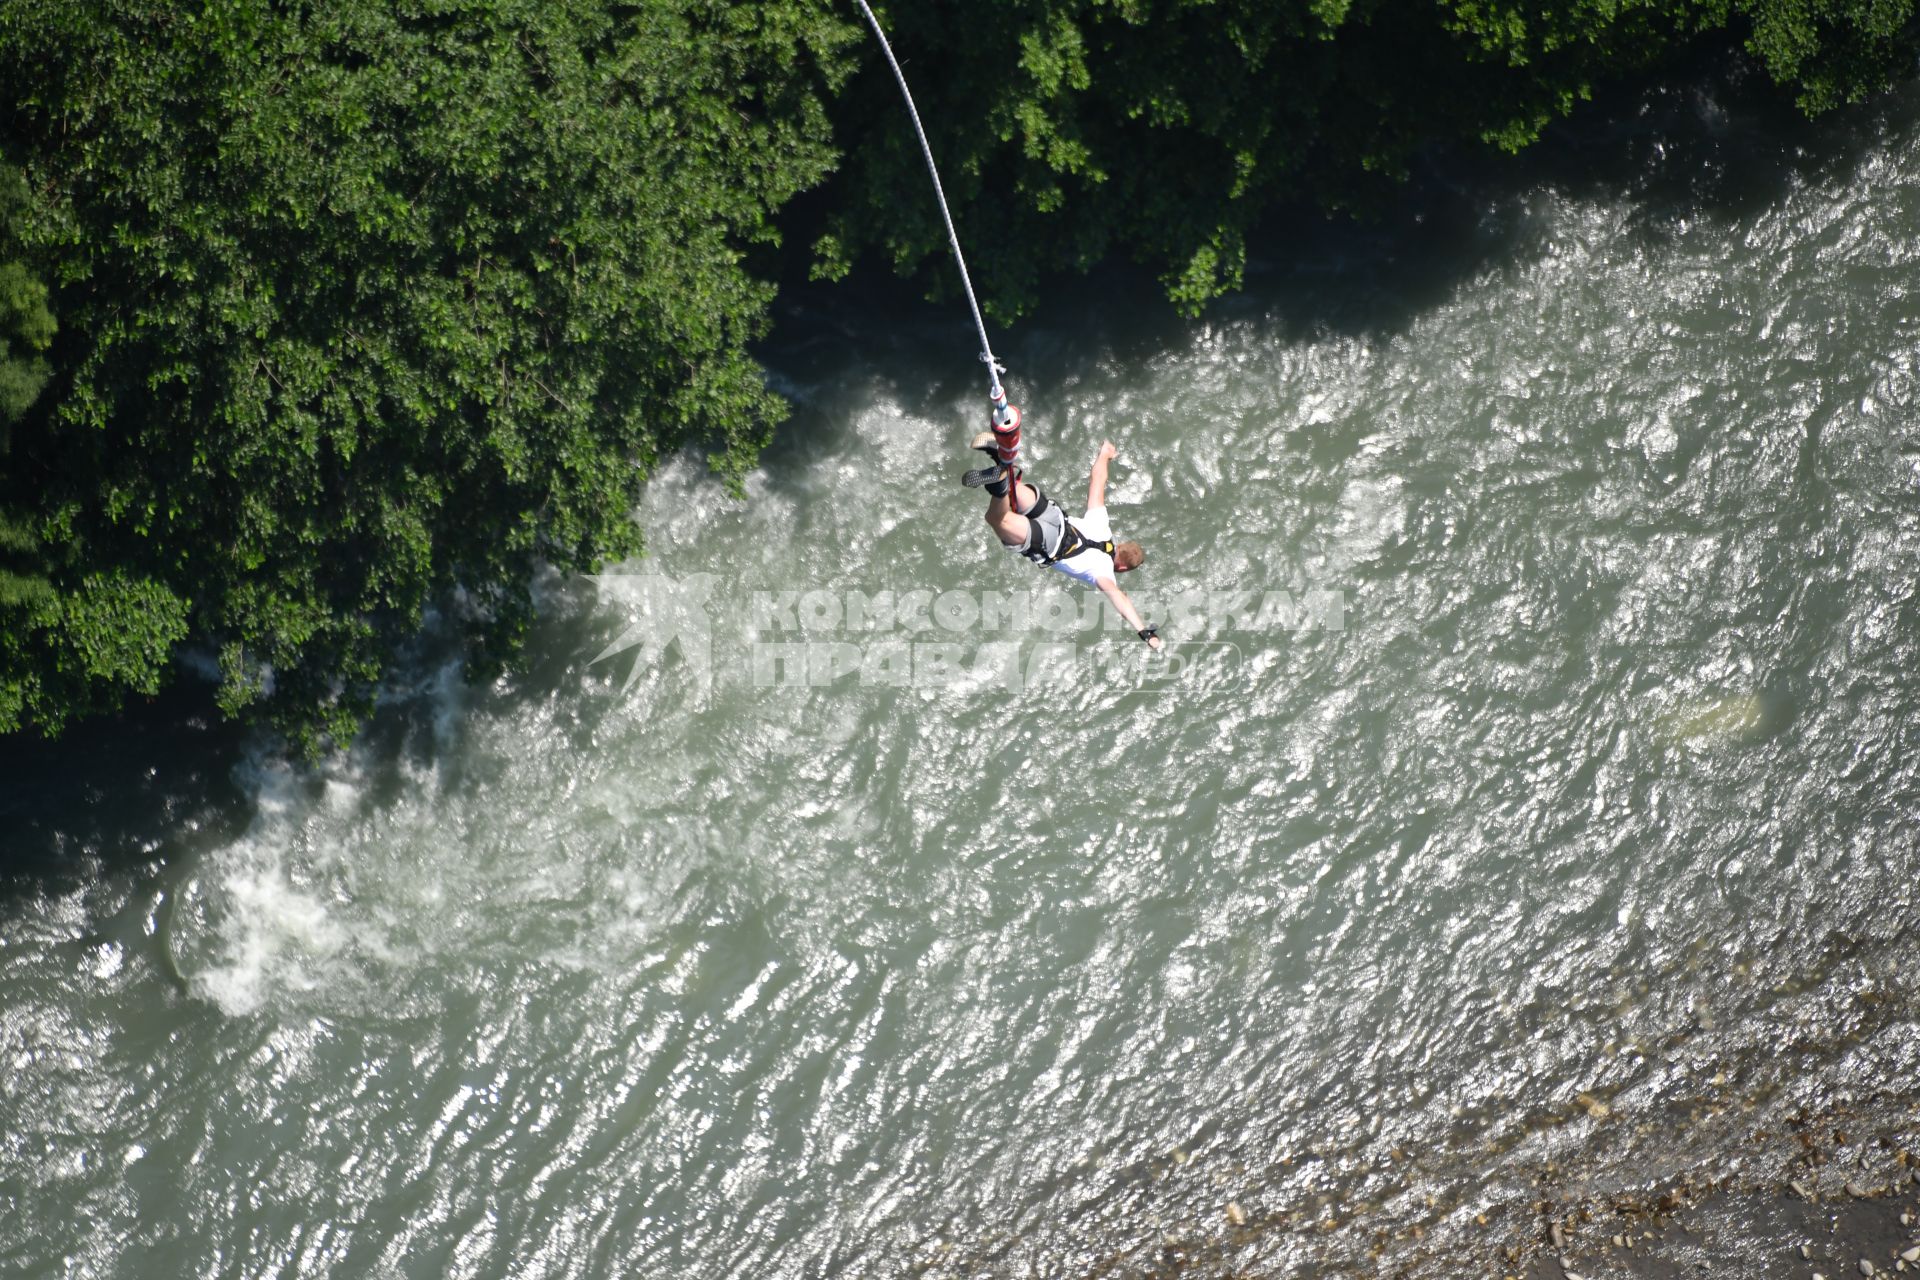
x: 278, y: 937
x: 257, y: 921
x: 1371, y: 513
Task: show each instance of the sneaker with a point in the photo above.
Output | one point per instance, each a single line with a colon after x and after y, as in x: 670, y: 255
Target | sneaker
x: 986, y: 444
x: 985, y: 475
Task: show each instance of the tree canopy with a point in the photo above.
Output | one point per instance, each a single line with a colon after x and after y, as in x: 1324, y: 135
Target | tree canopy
x: 27, y: 325
x: 369, y: 304
x: 1072, y: 131
x: 316, y: 315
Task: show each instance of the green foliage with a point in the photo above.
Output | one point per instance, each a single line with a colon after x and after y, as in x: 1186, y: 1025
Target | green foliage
x: 23, y: 588
x: 368, y: 302
x: 26, y: 322
x: 66, y: 655
x: 1830, y: 51
x: 1070, y: 131
x: 26, y: 331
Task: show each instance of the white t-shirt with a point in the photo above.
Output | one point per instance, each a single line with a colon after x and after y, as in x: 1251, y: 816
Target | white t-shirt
x: 1091, y: 566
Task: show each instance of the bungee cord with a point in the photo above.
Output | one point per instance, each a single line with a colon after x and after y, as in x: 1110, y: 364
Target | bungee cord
x: 1005, y: 418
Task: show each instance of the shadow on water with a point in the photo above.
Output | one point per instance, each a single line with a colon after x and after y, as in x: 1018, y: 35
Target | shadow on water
x: 117, y: 793
x: 1717, y: 139
x: 1720, y: 141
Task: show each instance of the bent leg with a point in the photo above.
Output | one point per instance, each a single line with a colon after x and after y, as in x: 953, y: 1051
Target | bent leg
x: 1009, y: 525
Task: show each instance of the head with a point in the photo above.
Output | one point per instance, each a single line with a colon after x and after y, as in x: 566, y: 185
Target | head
x: 1127, y: 555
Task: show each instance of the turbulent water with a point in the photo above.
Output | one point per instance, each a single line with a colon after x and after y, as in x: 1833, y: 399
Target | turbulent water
x: 1545, y: 795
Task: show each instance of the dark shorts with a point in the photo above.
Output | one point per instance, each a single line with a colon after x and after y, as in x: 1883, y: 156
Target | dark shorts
x: 1046, y: 525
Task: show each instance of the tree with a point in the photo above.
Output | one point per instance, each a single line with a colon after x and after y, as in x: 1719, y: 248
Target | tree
x: 26, y: 323
x: 369, y: 305
x: 1828, y: 51
x: 1071, y: 131
x: 27, y: 328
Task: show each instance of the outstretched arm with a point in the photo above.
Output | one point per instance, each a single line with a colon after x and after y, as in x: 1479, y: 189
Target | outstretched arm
x: 1112, y: 591
x: 1097, y: 481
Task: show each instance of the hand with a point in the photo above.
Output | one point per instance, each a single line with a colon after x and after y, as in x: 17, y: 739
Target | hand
x: 1107, y: 451
x: 1155, y: 643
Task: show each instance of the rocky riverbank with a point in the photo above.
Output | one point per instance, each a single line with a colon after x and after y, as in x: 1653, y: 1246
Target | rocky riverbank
x: 1827, y: 1195
x: 1754, y: 1234
x: 1843, y: 1204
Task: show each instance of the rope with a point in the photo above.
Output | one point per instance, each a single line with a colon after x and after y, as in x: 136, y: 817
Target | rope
x: 953, y: 237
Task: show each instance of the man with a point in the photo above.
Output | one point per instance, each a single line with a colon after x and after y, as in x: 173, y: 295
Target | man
x: 1036, y: 526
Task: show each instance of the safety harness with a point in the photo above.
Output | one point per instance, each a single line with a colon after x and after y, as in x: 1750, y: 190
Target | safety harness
x: 1072, y: 541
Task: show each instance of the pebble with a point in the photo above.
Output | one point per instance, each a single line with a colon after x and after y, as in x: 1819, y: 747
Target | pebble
x: 1806, y: 1251
x: 1858, y: 1192
x: 1619, y: 1242
x: 1802, y: 1190
x: 1558, y: 1236
x: 1236, y: 1215
x: 1866, y: 1266
x: 1911, y: 1255
x: 1906, y: 1219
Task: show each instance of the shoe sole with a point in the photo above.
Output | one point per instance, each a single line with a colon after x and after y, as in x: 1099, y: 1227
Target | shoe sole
x: 985, y: 475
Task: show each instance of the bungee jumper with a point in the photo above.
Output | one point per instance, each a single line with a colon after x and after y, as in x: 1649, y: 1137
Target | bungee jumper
x: 1023, y: 517
x: 1028, y: 521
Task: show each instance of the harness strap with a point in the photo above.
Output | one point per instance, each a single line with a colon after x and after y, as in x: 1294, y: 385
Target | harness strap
x: 1035, y: 548
x: 1072, y: 541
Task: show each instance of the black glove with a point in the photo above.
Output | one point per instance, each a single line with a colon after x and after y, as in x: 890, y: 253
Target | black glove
x: 1149, y: 633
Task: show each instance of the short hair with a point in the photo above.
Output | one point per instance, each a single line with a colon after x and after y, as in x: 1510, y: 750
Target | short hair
x: 1128, y: 555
